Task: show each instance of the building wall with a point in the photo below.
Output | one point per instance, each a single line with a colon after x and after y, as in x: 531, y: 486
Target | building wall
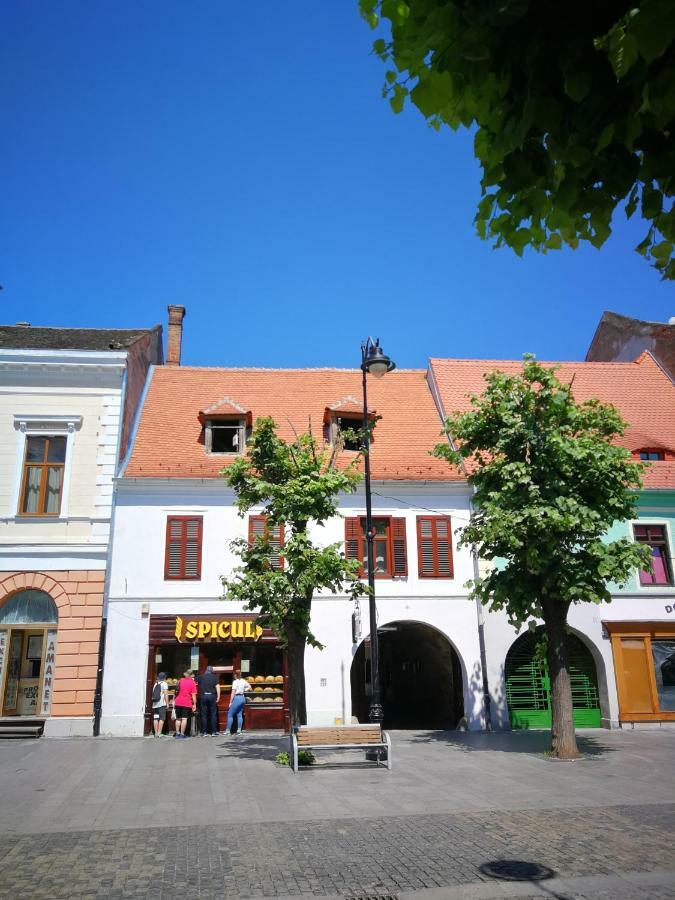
x: 78, y: 595
x: 93, y: 446
x: 630, y: 602
x: 138, y: 590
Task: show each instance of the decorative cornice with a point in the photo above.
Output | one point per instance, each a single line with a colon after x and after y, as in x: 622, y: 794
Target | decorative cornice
x: 34, y: 420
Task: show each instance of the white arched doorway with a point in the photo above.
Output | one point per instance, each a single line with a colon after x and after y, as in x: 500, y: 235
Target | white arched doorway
x: 421, y: 678
x: 28, y: 621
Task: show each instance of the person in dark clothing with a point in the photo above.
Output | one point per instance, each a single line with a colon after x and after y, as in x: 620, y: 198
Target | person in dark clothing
x: 209, y: 695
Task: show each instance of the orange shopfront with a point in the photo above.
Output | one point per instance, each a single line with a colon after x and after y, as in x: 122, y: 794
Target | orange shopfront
x: 644, y: 664
x: 227, y: 643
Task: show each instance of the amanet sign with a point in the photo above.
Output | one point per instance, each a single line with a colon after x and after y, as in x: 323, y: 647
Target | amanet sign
x: 217, y: 630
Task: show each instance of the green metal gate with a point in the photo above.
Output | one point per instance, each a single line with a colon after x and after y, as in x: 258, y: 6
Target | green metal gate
x: 528, y: 686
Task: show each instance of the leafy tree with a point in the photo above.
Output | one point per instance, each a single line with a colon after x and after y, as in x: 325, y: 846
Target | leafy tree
x: 573, y: 106
x: 549, y: 482
x: 295, y: 484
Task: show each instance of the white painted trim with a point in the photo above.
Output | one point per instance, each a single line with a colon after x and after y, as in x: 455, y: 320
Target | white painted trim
x: 33, y: 420
x: 26, y: 426
x: 652, y: 590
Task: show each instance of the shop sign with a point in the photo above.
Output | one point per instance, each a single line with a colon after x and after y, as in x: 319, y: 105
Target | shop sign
x: 217, y: 630
x: 48, y: 676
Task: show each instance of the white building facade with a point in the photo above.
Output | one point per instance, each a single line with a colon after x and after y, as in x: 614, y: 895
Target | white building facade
x: 65, y: 398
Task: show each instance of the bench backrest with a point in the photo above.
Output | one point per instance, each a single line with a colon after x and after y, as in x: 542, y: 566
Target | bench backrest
x: 339, y: 734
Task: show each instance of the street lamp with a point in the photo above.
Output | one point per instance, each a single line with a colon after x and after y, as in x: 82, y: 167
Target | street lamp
x: 375, y: 362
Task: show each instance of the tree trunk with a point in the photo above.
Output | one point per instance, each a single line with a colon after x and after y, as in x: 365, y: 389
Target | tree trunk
x: 563, y: 738
x: 296, y: 674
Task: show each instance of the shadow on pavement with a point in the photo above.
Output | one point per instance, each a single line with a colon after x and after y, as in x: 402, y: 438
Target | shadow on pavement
x: 254, y: 746
x: 533, y: 742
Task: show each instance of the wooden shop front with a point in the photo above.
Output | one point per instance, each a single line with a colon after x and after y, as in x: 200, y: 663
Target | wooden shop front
x: 227, y: 643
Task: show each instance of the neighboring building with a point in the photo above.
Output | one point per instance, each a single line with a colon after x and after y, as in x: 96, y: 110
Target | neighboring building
x: 67, y: 400
x: 622, y: 339
x: 622, y: 654
x: 175, y: 516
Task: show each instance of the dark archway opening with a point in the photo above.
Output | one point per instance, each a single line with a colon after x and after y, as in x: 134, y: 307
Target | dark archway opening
x: 420, y: 675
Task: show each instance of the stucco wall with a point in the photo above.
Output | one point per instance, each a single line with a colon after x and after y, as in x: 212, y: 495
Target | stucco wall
x: 78, y: 596
x: 137, y: 579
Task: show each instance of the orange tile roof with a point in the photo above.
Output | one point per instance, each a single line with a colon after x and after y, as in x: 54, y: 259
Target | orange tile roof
x: 170, y: 444
x: 641, y: 391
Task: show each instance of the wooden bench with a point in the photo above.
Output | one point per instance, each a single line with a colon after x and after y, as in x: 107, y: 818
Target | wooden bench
x: 340, y: 737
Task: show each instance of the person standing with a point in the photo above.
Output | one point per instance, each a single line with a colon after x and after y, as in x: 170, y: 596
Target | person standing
x: 209, y: 695
x: 185, y: 703
x: 160, y: 703
x: 239, y: 687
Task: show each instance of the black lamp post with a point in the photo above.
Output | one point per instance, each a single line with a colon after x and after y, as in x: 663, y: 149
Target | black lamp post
x: 373, y: 361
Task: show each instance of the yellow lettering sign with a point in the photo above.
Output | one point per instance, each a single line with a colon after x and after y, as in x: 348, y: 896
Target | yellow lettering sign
x: 224, y: 630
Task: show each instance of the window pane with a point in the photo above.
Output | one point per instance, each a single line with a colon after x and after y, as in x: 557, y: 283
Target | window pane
x: 57, y: 450
x: 381, y: 556
x: 53, y: 492
x: 663, y: 654
x: 31, y: 493
x: 35, y: 449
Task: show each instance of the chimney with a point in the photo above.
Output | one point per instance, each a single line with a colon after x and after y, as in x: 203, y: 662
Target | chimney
x: 174, y: 334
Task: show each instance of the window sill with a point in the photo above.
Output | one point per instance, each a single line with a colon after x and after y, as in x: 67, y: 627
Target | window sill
x: 182, y: 578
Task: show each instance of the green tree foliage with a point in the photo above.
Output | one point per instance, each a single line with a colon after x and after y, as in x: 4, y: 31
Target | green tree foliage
x: 549, y: 481
x: 573, y: 106
x: 293, y: 484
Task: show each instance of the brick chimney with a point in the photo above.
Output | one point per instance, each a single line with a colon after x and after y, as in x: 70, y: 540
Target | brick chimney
x: 174, y: 334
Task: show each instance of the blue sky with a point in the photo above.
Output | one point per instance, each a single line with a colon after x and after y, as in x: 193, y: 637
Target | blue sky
x: 239, y: 159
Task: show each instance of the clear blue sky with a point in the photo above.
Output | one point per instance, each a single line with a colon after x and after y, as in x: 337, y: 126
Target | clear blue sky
x: 239, y: 159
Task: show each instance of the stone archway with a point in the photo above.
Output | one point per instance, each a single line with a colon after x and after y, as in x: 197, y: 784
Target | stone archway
x: 420, y: 674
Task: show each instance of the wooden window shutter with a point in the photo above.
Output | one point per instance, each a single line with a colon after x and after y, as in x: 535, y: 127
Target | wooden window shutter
x: 434, y: 547
x: 258, y: 527
x: 399, y: 550
x: 354, y: 541
x: 183, y: 557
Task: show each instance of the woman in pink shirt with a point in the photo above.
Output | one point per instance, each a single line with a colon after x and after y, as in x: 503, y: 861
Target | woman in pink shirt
x: 185, y: 703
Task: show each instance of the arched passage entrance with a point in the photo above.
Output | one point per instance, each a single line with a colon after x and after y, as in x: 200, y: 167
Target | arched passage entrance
x: 420, y: 675
x: 528, y: 687
x: 28, y: 621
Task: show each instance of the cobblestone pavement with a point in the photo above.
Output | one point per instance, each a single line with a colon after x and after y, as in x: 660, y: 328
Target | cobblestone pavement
x: 465, y: 853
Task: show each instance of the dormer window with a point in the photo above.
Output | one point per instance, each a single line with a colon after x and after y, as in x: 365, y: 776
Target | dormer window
x: 651, y: 455
x: 343, y: 422
x: 225, y: 437
x: 226, y: 426
x: 348, y: 429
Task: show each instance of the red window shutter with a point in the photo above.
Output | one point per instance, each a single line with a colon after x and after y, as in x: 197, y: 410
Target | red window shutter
x: 183, y: 556
x: 434, y: 547
x: 399, y: 549
x: 258, y: 527
x: 354, y: 540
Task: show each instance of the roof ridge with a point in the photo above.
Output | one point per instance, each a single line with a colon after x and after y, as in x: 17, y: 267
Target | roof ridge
x: 353, y: 370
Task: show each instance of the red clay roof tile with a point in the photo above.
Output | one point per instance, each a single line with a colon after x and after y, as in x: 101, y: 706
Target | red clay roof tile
x: 642, y: 392
x: 170, y: 444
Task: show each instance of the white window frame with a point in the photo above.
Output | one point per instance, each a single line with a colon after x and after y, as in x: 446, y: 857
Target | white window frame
x: 661, y: 521
x: 33, y: 425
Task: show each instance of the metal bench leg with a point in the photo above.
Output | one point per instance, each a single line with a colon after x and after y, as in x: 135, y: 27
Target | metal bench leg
x: 294, y: 753
x: 388, y: 743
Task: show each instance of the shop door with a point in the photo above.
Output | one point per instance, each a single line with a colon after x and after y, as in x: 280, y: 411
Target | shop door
x: 635, y: 688
x: 528, y: 685
x: 11, y: 698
